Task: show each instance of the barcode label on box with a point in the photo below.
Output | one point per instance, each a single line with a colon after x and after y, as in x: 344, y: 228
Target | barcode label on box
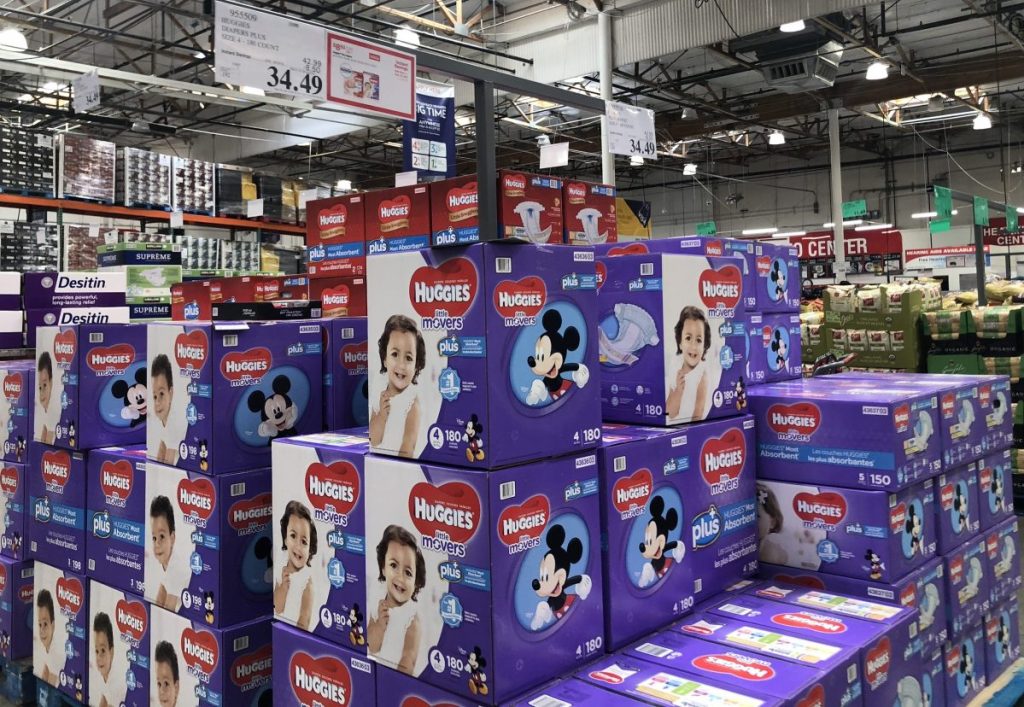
x: 507, y: 490
x: 237, y: 489
x: 656, y: 651
x: 503, y: 265
x: 240, y: 643
x: 619, y: 464
x: 230, y: 340
x: 851, y: 673
x: 92, y: 564
x: 547, y: 701
x: 646, y: 269
x: 96, y: 337
x: 348, y: 333
x: 698, y: 585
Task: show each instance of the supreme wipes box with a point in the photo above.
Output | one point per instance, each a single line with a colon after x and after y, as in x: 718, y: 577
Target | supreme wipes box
x: 194, y: 665
x: 17, y: 406
x: 651, y: 683
x: 645, y: 508
x: 60, y: 633
x: 397, y: 219
x: 530, y: 207
x: 1002, y: 638
x: 968, y: 586
x: 454, y: 217
x: 673, y: 338
x: 319, y: 536
x: 336, y: 230
x: 588, y: 211
x: 957, y: 511
x: 56, y: 501
x: 346, y: 384
x: 859, y: 435
x: 115, y: 499
x: 774, y: 348
x: 965, y: 666
x: 483, y: 577
x: 90, y: 385
x: 221, y: 393
x: 14, y: 483
x: 16, y: 601
x: 1002, y: 565
x: 483, y: 355
x: 119, y: 632
x: 310, y: 671
x: 872, y: 535
x: 995, y: 488
x: 208, y: 544
x: 48, y: 290
x: 776, y: 274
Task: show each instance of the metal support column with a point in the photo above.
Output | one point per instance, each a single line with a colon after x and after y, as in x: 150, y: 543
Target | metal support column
x: 606, y: 64
x: 837, y: 194
x: 486, y: 167
x: 979, y: 263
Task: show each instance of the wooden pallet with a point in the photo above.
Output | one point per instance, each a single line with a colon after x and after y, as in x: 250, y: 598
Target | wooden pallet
x: 17, y: 683
x: 1006, y: 691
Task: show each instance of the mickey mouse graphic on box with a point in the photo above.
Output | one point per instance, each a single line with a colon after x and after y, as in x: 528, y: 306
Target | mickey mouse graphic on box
x: 17, y: 405
x: 477, y: 580
x: 90, y: 385
x: 60, y: 637
x: 221, y: 393
x: 482, y: 338
x: 958, y: 506
x: 965, y: 666
x: 1002, y: 638
x: 775, y: 348
x: 995, y: 488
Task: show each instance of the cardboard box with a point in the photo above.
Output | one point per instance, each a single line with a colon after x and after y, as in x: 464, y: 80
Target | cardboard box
x: 339, y: 296
x: 775, y: 348
x: 191, y: 301
x: 17, y: 386
x: 56, y: 499
x: 309, y: 670
x: 14, y: 481
x: 454, y: 217
x: 346, y: 357
x: 16, y: 608
x: 119, y: 633
x: 71, y: 316
x: 1001, y: 545
x: 530, y: 207
x: 60, y: 646
x: 965, y: 667
x: 995, y: 496
x: 49, y: 290
x: 588, y: 211
x: 968, y: 586
x: 1002, y: 638
x: 397, y: 219
x: 115, y: 517
x: 956, y: 507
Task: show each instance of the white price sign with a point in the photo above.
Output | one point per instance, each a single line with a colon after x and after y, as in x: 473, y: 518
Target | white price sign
x: 85, y: 91
x: 630, y: 130
x: 270, y: 52
x: 371, y: 77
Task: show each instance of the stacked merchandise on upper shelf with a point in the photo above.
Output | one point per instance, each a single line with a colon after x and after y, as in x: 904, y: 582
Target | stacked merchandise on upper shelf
x: 145, y: 178
x: 235, y: 187
x: 29, y: 247
x: 26, y: 162
x: 85, y: 168
x: 193, y: 186
x: 12, y: 315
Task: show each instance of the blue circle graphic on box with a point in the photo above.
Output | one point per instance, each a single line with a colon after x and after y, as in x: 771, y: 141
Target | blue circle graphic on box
x: 778, y: 349
x: 535, y: 344
x: 257, y: 564
x: 828, y: 551
x: 726, y: 358
x: 195, y: 563
x: 280, y: 390
x: 449, y: 384
x: 913, y: 528
x: 118, y: 401
x: 777, y: 278
x: 968, y: 666
x: 451, y: 610
x: 360, y: 404
x: 666, y: 512
x: 540, y: 609
x: 958, y: 509
x: 336, y: 573
x: 191, y: 414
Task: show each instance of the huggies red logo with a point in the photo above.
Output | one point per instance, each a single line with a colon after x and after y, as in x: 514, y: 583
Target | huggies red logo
x: 116, y: 479
x: 514, y: 185
x: 802, y: 580
x: 763, y: 265
x: 953, y: 660
x: 800, y: 420
x: 196, y: 498
x: 200, y: 650
x: 319, y: 681
x: 948, y: 405
x: 819, y: 623
x: 130, y: 617
x: 250, y: 515
x: 523, y: 298
x: 714, y: 249
x: 56, y: 469
x: 462, y: 202
x: 9, y: 480
x: 956, y: 569
x: 191, y: 350
x: 111, y: 360
x: 602, y: 273
x: 820, y: 510
x: 985, y: 478
x: 332, y: 490
x: 3, y: 578
x: 449, y: 513
x: 722, y: 459
x: 985, y: 396
x: 333, y: 222
x: 64, y: 344
x: 630, y: 493
x: 609, y: 677
x: 877, y: 662
x: 249, y: 365
x: 254, y: 668
x: 417, y: 701
x: 354, y: 357
x: 524, y: 523
x: 576, y: 193
x: 722, y: 288
x: 898, y: 517
x: 393, y: 214
x: 815, y: 697
x: 70, y: 595
x: 13, y: 385
x: 450, y: 287
x: 735, y: 666
x: 901, y: 418
x: 946, y: 497
x: 908, y: 596
x: 335, y: 297
x: 631, y: 249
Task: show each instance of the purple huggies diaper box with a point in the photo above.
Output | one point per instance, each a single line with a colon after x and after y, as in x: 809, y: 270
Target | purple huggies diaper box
x: 17, y: 405
x: 483, y: 583
x: 16, y: 597
x: 995, y: 484
x: 115, y: 500
x: 345, y: 373
x: 208, y: 544
x: 967, y: 586
x: 647, y: 573
x: 56, y: 500
x: 858, y: 436
x: 744, y: 671
x: 311, y: 671
x: 857, y: 533
x: 965, y: 666
x: 483, y: 355
x: 193, y: 665
x: 776, y: 277
x: 1002, y: 638
x: 60, y: 632
x: 956, y: 506
x: 774, y: 348
x: 221, y: 393
x: 119, y: 624
x: 90, y: 385
x: 651, y: 683
x: 319, y: 536
x: 573, y: 693
x: 930, y: 600
x: 927, y: 687
x: 13, y: 509
x: 1003, y: 568
x: 674, y: 341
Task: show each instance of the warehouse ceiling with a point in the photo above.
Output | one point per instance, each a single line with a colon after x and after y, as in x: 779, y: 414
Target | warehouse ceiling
x: 717, y: 103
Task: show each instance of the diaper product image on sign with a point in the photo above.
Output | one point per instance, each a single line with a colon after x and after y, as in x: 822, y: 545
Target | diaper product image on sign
x: 956, y: 506
x: 530, y: 207
x: 995, y: 488
x: 1002, y: 638
x: 674, y: 341
x: 346, y: 385
x: 16, y: 614
x: 13, y: 510
x: 193, y: 665
x: 968, y: 586
x: 91, y: 385
x: 856, y: 434
x: 319, y: 536
x: 115, y: 500
x: 208, y: 544
x: 965, y: 666
x: 221, y: 393
x: 774, y: 348
x: 311, y: 671
x: 483, y: 583
x: 1002, y: 563
x: 56, y: 502
x: 60, y: 633
x: 483, y: 355
x: 17, y: 406
x: 119, y: 632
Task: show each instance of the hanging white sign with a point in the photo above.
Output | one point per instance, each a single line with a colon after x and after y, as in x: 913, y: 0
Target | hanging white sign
x: 630, y: 130
x: 85, y: 92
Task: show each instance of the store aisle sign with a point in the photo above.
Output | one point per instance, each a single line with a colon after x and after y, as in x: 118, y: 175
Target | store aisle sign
x: 980, y: 211
x: 948, y: 258
x: 817, y: 246
x: 85, y: 92
x: 630, y: 130
x: 999, y: 233
x: 428, y: 142
x: 706, y: 228
x: 855, y: 209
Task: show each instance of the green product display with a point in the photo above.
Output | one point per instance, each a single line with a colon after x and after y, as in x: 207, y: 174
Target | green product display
x: 707, y: 228
x: 943, y: 202
x: 960, y: 364
x: 1012, y: 225
x: 855, y: 209
x: 980, y: 211
x: 939, y: 225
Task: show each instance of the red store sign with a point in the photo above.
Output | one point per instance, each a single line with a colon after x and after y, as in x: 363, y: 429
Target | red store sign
x: 819, y: 245
x: 995, y: 234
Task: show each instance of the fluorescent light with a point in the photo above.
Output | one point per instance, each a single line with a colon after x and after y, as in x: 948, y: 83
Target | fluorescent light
x: 791, y: 234
x: 252, y: 91
x: 877, y: 71
x: 689, y: 169
x: 1020, y: 209
x: 13, y: 40
x: 797, y: 26
x: 874, y: 227
x: 406, y: 37
x: 854, y: 222
x: 51, y: 86
x: 776, y: 138
x: 634, y: 160
x: 543, y: 140
x: 925, y: 214
x: 199, y: 54
x: 982, y: 122
x: 759, y: 231
x: 344, y: 184
x: 954, y: 212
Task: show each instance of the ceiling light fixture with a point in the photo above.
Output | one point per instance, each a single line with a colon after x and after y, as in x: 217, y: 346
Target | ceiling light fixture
x: 874, y: 227
x: 405, y: 37
x: 776, y: 138
x: 982, y: 121
x: 13, y: 40
x: 689, y: 169
x: 543, y: 140
x: 759, y: 231
x: 925, y: 214
x: 252, y: 91
x: 854, y: 222
x: 791, y: 234
x: 789, y: 27
x: 936, y: 103
x: 344, y: 184
x: 877, y: 71
x: 634, y: 160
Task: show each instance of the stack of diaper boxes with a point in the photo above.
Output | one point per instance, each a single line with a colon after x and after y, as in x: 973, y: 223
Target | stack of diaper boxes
x: 916, y: 512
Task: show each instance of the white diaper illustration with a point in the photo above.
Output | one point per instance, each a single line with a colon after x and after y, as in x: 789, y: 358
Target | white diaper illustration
x: 999, y: 408
x: 966, y: 416
x: 589, y: 220
x: 923, y: 430
x: 1006, y: 556
x: 529, y: 212
x: 636, y: 329
x: 909, y: 692
x: 929, y: 604
x: 974, y: 575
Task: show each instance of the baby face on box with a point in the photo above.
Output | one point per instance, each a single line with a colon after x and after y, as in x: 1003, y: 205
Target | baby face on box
x: 60, y: 639
x: 17, y: 387
x: 118, y: 647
